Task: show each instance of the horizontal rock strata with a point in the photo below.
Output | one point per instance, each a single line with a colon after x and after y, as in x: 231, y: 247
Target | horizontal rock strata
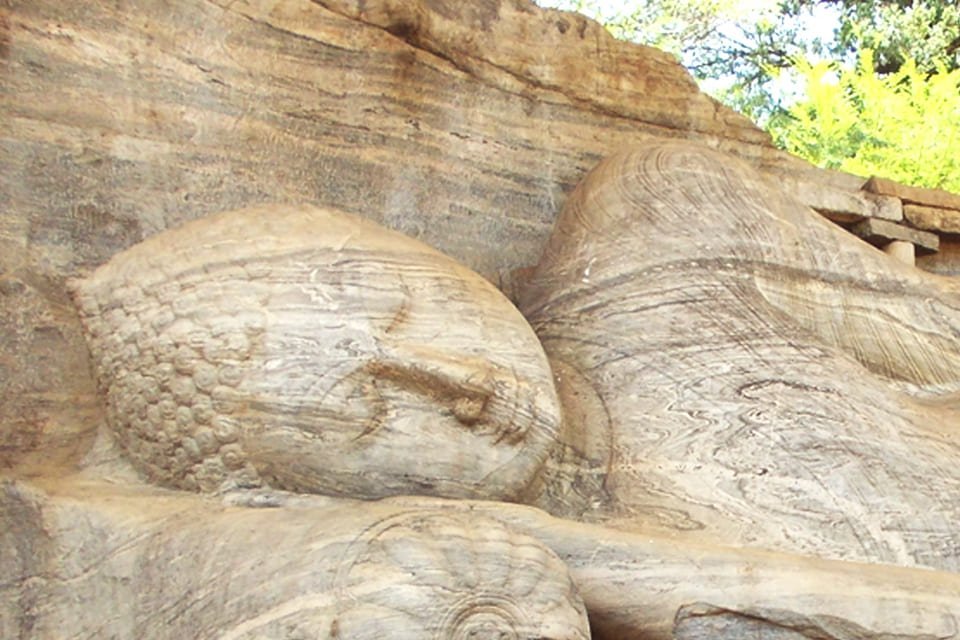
x: 463, y: 124
x: 933, y: 218
x: 881, y: 232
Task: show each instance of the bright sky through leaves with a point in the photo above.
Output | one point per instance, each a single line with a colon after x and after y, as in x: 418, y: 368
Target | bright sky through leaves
x: 797, y: 67
x: 819, y: 24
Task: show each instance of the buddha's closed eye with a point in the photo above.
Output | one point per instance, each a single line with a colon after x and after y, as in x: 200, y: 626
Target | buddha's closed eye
x: 467, y: 386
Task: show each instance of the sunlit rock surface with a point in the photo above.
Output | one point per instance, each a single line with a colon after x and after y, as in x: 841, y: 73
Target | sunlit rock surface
x: 745, y: 421
x: 769, y: 381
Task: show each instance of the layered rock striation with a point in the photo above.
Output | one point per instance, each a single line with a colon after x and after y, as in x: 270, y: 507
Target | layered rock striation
x: 735, y: 417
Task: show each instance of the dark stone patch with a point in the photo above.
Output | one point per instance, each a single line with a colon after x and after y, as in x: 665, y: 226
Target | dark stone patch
x: 90, y: 229
x: 477, y: 14
x: 4, y: 37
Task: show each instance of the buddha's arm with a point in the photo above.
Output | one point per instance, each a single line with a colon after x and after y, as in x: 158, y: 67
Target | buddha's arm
x: 637, y: 585
x: 85, y: 559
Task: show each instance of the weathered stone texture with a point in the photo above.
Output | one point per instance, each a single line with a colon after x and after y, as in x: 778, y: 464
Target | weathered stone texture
x: 137, y: 125
x: 947, y: 260
x: 462, y: 124
x: 97, y: 560
x: 525, y: 47
x: 748, y: 407
x: 914, y: 195
x: 291, y: 346
x: 838, y: 203
x: 881, y: 232
x: 702, y: 621
x: 755, y: 363
x: 933, y: 218
x: 121, y: 120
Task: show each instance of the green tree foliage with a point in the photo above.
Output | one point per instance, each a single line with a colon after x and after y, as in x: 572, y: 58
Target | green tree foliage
x: 887, y: 103
x: 904, y: 125
x: 926, y: 32
x: 712, y: 38
x: 747, y: 42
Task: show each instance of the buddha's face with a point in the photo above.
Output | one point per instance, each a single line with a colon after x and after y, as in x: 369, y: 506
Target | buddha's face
x: 387, y: 376
x: 353, y: 362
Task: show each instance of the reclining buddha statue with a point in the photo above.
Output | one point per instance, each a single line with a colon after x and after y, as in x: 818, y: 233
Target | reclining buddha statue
x: 717, y: 414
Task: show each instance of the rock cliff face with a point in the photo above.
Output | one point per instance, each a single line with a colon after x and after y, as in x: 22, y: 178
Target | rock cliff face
x: 466, y: 125
x: 462, y: 124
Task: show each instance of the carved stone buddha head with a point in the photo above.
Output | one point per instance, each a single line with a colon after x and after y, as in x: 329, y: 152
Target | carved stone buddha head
x: 315, y: 351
